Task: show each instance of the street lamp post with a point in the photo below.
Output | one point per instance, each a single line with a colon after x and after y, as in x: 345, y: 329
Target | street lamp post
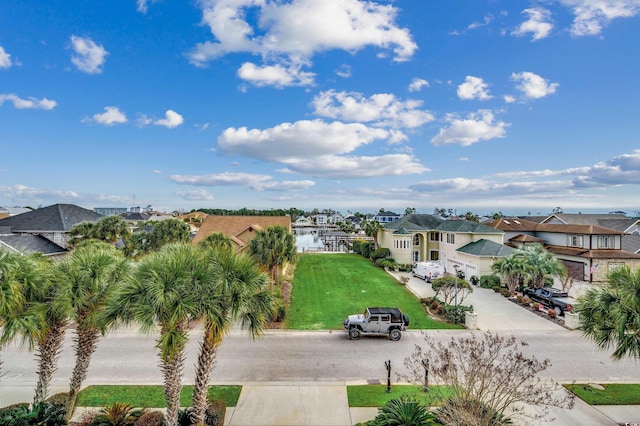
x: 455, y: 312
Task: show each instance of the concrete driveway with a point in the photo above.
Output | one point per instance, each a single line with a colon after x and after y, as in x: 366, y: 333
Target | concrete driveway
x: 494, y: 311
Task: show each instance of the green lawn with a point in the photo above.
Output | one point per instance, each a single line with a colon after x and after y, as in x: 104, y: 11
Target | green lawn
x: 328, y: 287
x: 613, y: 394
x: 377, y: 396
x: 149, y: 396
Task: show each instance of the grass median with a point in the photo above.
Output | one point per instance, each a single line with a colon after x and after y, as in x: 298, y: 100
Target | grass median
x: 150, y: 396
x: 607, y: 394
x: 328, y: 287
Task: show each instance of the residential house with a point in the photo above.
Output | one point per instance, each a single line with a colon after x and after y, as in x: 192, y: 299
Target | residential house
x: 386, y: 217
x: 470, y: 246
x: 53, y: 222
x: 321, y: 219
x: 240, y: 229
x: 12, y: 211
x: 335, y: 218
x: 619, y: 222
x: 587, y: 251
x: 110, y: 211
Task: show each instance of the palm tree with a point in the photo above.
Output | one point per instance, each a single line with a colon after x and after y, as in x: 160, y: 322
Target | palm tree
x: 162, y: 292
x: 539, y: 264
x: 273, y: 247
x: 34, y: 318
x: 111, y: 229
x: 513, y: 270
x: 216, y: 240
x: 85, y: 280
x: 611, y: 315
x: 239, y: 292
x: 371, y: 228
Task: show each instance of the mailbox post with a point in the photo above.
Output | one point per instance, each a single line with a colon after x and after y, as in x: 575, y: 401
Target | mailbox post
x: 387, y: 364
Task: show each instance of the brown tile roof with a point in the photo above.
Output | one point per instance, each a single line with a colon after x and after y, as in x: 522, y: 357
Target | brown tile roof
x: 592, y: 254
x: 523, y: 238
x: 234, y: 226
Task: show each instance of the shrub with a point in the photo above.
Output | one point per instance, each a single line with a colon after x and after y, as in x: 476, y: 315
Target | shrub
x: 461, y: 412
x: 214, y: 415
x: 505, y: 292
x: 435, y: 305
x: 496, y: 288
x: 474, y: 279
x: 280, y: 306
x: 519, y: 298
x: 43, y: 413
x: 551, y: 313
x: 380, y: 253
x: 119, y: 414
x: 489, y: 281
x: 151, y: 418
x: 363, y: 248
x: 526, y: 301
x: 536, y: 306
x: 403, y: 411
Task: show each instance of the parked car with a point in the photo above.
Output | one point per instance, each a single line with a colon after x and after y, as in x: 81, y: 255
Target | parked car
x: 389, y: 321
x: 428, y: 271
x: 552, y: 298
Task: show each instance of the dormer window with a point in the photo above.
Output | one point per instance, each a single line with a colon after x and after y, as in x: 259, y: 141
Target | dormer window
x: 606, y: 242
x: 574, y: 241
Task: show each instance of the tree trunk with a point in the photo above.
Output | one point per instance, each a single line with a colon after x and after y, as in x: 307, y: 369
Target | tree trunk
x: 47, y: 354
x: 86, y: 340
x: 172, y: 370
x: 206, y: 362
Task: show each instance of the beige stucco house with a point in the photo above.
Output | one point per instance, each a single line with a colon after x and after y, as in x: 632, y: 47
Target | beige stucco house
x: 469, y: 246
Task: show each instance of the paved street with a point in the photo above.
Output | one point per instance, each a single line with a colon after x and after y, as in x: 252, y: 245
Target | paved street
x: 320, y: 358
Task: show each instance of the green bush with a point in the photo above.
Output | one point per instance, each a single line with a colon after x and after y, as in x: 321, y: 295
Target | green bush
x: 280, y: 306
x: 363, y: 248
x: 43, y: 413
x: 119, y: 414
x: 380, y: 253
x: 489, y: 281
x: 474, y: 279
x: 505, y: 292
x: 403, y: 411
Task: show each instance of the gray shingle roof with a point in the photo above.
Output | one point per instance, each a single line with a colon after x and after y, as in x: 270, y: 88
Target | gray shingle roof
x: 415, y: 222
x: 55, y: 218
x: 466, y: 226
x: 485, y: 248
x: 31, y: 244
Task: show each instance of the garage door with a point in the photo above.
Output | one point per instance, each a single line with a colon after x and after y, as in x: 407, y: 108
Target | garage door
x: 575, y: 270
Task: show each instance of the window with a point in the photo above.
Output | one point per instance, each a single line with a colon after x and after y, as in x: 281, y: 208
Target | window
x: 434, y: 236
x: 606, y: 242
x: 385, y: 318
x: 451, y: 238
x: 416, y: 240
x: 374, y: 318
x: 434, y: 255
x: 574, y: 240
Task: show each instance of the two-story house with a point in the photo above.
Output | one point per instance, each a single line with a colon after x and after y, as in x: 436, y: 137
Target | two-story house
x: 587, y: 251
x: 386, y: 217
x: 470, y: 246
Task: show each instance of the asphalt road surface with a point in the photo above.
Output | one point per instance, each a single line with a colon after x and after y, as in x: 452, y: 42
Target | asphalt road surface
x: 128, y: 357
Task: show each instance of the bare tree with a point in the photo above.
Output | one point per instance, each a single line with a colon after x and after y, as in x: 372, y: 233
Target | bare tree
x: 488, y: 380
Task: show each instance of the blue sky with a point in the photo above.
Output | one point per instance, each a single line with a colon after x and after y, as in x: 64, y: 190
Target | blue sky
x: 487, y: 106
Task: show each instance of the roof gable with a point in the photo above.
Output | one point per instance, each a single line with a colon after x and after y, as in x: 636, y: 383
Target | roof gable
x: 54, y: 218
x: 486, y: 248
x: 415, y: 222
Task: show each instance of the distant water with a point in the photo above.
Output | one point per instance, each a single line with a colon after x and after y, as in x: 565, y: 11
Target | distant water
x: 309, y: 242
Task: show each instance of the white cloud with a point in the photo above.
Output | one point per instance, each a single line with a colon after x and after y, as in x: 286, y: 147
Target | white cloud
x: 591, y: 16
x: 299, y: 29
x: 89, y: 56
x: 143, y: 120
x: 306, y: 138
x: 142, y: 6
x: 538, y: 23
x: 479, y: 126
x: 31, y: 103
x: 172, y: 120
x: 5, y: 58
x: 532, y: 85
x: 251, y: 181
x: 317, y: 149
x: 509, y: 99
x: 349, y: 167
x: 275, y: 75
x: 382, y: 109
x: 195, y: 195
x: 111, y: 116
x: 474, y: 88
x: 417, y: 84
x: 485, y: 21
x: 344, y: 71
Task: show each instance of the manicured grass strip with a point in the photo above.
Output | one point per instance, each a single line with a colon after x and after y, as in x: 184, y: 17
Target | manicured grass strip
x: 377, y: 396
x: 149, y: 396
x: 328, y: 287
x: 613, y: 394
